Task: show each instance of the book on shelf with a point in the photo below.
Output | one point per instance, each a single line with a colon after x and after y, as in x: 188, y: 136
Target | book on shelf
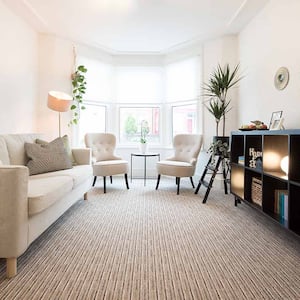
x: 281, y: 205
x: 241, y: 160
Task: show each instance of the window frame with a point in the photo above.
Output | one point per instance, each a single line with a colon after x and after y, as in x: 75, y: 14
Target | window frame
x: 134, y: 106
x: 180, y: 104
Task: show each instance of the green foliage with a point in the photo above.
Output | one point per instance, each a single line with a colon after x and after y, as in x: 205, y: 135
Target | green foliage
x: 144, y: 131
x: 216, y: 89
x: 79, y: 88
x: 218, y: 109
x: 130, y: 125
x: 218, y: 148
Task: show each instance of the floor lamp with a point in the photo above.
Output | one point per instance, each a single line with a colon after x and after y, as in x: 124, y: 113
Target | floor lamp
x: 60, y: 102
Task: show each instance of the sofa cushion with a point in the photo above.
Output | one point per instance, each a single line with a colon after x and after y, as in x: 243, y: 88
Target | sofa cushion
x: 66, y: 142
x: 78, y: 174
x: 43, y: 192
x: 4, y: 157
x: 47, y: 157
x: 15, y: 147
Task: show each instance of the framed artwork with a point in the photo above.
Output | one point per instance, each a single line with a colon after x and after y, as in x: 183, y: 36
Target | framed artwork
x: 276, y: 115
x: 277, y: 124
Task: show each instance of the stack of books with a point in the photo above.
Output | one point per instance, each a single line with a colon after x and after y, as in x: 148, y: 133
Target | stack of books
x: 281, y: 205
x: 241, y: 160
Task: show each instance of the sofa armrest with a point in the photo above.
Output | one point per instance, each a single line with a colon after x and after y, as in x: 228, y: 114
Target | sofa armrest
x: 82, y: 156
x: 13, y: 210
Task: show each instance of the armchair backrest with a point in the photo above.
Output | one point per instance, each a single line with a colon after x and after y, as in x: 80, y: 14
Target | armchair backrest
x: 102, y: 144
x: 187, y: 147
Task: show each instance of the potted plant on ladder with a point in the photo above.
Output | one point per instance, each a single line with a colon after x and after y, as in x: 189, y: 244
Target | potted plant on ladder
x: 218, y: 103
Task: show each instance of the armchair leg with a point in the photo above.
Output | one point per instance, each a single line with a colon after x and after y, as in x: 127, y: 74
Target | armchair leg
x: 192, y: 182
x: 126, y: 180
x: 157, y: 183
x: 176, y: 180
x: 104, y: 184
x: 95, y: 178
x: 178, y: 184
x: 11, y: 267
x: 110, y: 179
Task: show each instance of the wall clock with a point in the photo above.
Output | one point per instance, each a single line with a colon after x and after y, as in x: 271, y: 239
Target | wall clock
x: 281, y: 78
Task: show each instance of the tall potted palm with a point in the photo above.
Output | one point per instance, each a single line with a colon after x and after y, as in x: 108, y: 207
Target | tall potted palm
x: 218, y: 103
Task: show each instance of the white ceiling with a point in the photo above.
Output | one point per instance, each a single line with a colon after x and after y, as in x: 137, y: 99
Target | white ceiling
x: 139, y: 26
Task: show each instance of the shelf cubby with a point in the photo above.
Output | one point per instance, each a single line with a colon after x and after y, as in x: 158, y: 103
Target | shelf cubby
x: 249, y: 192
x: 238, y: 150
x: 275, y: 149
x: 294, y: 208
x: 294, y: 158
x: 237, y: 180
x: 253, y: 150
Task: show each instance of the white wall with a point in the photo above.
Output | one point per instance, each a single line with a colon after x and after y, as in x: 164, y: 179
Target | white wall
x: 271, y: 40
x: 57, y: 62
x: 55, y: 68
x: 18, y: 74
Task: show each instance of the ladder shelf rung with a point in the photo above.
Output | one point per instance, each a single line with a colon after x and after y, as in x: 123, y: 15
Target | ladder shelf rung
x: 205, y: 183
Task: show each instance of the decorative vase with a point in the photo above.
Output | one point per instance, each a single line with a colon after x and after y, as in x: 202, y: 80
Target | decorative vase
x: 143, y: 147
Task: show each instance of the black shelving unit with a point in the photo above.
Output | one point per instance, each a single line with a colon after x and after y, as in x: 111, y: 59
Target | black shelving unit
x: 257, y: 176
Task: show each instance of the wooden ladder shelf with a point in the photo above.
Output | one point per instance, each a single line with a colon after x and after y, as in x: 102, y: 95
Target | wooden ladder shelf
x: 213, y: 166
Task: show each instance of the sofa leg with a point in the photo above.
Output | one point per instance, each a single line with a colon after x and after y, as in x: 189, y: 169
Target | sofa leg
x: 178, y: 184
x: 104, y: 184
x: 11, y: 267
x: 85, y: 196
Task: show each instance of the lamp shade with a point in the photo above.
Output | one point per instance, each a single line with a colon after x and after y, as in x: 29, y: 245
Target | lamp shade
x: 59, y: 101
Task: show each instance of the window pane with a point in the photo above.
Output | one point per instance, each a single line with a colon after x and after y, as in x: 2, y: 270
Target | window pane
x: 131, y: 119
x: 136, y: 83
x: 184, y: 119
x: 98, y: 78
x: 92, y: 119
x: 183, y: 80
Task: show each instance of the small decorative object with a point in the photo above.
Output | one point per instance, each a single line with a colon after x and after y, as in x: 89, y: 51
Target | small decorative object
x: 144, y: 133
x: 277, y: 124
x: 253, y: 158
x: 281, y: 78
x: 276, y: 115
x: 257, y: 125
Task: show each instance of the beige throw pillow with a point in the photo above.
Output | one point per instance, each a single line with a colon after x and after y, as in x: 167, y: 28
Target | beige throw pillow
x: 47, y: 157
x: 65, y: 140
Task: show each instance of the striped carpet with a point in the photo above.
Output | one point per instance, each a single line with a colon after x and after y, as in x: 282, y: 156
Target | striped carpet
x: 147, y: 244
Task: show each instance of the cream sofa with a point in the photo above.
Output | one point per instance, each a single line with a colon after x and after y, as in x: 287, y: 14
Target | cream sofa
x: 30, y: 204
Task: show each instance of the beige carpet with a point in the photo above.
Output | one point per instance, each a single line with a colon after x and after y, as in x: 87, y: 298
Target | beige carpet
x: 147, y: 244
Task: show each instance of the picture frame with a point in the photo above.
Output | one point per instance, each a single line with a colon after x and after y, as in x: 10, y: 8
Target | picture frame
x: 276, y: 115
x: 277, y: 124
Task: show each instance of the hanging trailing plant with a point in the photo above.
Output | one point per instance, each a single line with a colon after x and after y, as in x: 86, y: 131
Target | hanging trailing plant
x: 79, y: 88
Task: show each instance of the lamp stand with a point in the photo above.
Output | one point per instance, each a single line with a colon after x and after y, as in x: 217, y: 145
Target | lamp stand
x: 59, y: 127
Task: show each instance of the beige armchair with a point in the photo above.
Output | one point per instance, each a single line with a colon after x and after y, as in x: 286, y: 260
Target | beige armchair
x: 105, y: 163
x: 183, y: 162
